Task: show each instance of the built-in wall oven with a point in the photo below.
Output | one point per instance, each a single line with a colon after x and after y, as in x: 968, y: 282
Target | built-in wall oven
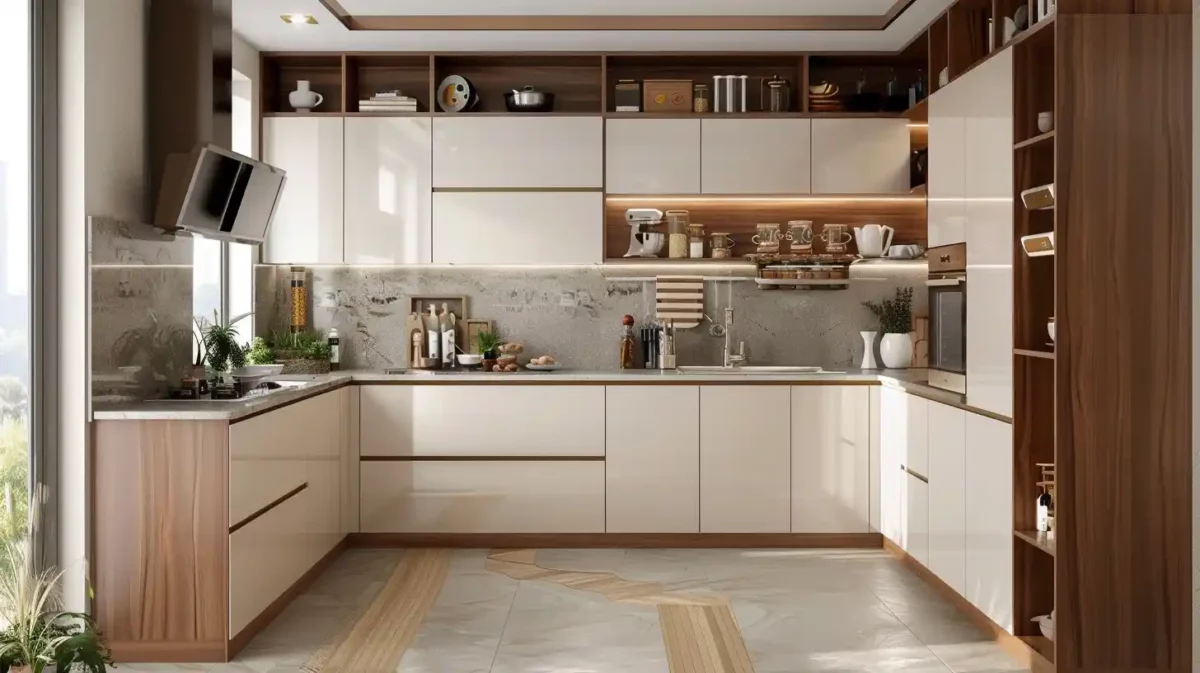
x: 948, y: 317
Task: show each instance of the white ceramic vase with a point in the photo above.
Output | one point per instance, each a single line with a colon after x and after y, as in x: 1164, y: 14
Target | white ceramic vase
x: 896, y: 351
x: 868, y: 361
x: 304, y: 98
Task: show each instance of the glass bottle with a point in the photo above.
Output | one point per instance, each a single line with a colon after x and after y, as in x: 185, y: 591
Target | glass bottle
x: 700, y: 101
x: 696, y: 241
x: 628, y: 344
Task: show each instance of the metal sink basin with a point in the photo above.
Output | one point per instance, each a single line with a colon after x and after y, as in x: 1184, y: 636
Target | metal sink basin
x: 749, y: 369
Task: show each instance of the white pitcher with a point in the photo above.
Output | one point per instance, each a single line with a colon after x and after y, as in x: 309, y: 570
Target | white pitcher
x: 304, y: 98
x: 873, y: 239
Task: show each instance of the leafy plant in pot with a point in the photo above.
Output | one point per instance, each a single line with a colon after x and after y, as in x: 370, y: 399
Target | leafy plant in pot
x: 489, y: 344
x: 895, y: 321
x: 221, y: 346
x: 301, y: 352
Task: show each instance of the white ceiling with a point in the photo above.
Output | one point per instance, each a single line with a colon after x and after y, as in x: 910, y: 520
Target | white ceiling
x: 259, y: 23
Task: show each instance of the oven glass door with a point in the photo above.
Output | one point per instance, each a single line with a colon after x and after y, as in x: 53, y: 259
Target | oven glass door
x: 948, y: 326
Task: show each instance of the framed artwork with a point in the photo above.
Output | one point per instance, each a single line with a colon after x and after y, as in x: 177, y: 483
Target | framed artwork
x: 474, y: 327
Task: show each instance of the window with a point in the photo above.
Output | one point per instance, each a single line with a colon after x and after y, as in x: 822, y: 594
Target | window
x: 16, y: 167
x: 223, y: 277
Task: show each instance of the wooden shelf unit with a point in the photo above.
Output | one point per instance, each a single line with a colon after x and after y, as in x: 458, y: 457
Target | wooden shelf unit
x: 1042, y: 541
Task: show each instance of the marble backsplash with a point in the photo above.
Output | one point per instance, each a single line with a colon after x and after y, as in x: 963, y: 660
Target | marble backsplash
x: 575, y: 313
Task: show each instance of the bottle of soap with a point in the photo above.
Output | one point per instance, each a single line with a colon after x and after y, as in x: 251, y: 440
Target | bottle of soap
x: 433, y: 338
x: 335, y: 350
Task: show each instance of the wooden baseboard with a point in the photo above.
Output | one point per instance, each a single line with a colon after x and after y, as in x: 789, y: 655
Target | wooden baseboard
x: 1015, y: 647
x: 277, y: 606
x: 168, y: 652
x: 617, y: 540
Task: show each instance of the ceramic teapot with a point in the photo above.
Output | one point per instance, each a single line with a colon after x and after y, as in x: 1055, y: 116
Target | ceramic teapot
x: 304, y: 98
x: 873, y: 239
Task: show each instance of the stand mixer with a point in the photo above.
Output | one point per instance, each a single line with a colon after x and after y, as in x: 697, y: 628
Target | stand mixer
x: 642, y: 241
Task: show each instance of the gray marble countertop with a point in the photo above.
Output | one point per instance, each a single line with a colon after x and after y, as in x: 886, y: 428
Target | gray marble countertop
x: 911, y: 380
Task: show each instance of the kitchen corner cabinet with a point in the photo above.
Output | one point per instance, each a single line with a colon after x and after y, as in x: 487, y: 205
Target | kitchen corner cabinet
x: 389, y: 190
x: 755, y: 156
x: 652, y: 460
x: 947, y: 495
x: 860, y: 156
x: 745, y: 459
x: 989, y: 520
x: 652, y: 156
x: 307, y: 227
x: 518, y: 227
x: 830, y: 459
x: 515, y: 152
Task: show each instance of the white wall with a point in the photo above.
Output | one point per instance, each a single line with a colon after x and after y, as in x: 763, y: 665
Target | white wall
x: 246, y: 61
x: 102, y: 154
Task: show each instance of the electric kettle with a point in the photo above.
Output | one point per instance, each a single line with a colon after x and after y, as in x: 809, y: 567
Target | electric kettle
x: 873, y: 240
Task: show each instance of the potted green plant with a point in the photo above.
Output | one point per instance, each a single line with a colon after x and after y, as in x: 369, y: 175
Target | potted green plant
x: 489, y: 343
x: 39, y: 634
x: 895, y: 321
x: 301, y: 352
x: 260, y: 352
x: 221, y: 345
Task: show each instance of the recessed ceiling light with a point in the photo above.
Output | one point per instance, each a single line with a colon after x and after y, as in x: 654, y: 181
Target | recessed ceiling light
x: 298, y: 18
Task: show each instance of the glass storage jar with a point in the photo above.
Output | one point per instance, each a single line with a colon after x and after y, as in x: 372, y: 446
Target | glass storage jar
x: 677, y: 234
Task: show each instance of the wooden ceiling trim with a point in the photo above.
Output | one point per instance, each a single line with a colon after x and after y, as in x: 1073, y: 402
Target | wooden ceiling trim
x: 615, y: 23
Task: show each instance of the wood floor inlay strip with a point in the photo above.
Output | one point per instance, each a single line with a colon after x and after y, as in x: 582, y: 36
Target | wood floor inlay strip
x: 378, y: 640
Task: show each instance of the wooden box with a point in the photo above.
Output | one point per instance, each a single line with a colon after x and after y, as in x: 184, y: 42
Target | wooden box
x: 667, y: 95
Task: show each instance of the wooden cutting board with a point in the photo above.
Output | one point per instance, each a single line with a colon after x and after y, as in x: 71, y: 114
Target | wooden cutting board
x: 680, y: 299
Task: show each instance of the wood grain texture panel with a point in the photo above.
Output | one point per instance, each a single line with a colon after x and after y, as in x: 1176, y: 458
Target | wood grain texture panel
x: 621, y: 540
x: 1124, y: 427
x: 907, y: 215
x: 1124, y: 7
x: 160, y: 535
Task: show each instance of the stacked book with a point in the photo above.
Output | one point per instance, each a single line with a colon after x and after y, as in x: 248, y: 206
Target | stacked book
x: 388, y: 101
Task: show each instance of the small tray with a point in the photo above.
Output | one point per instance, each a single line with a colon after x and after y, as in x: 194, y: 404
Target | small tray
x: 544, y: 368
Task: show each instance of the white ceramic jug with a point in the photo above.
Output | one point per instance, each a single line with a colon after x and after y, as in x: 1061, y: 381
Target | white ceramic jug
x: 304, y: 98
x: 873, y: 239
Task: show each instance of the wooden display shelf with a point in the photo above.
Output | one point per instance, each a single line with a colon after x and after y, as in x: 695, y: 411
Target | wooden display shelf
x: 1047, y: 355
x: 1043, y: 541
x: 1036, y: 140
x: 918, y: 113
x: 1043, y: 648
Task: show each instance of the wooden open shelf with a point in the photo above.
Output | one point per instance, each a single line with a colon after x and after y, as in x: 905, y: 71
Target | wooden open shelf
x: 280, y: 73
x: 1041, y: 541
x: 1043, y: 648
x: 1035, y: 141
x: 1046, y: 355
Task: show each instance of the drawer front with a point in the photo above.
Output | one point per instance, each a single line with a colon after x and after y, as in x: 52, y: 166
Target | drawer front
x: 483, y: 497
x: 526, y: 153
x: 518, y: 227
x: 503, y: 420
x: 266, y: 557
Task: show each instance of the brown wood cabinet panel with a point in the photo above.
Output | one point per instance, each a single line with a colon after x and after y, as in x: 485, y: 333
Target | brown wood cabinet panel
x: 1124, y: 304
x: 161, y: 538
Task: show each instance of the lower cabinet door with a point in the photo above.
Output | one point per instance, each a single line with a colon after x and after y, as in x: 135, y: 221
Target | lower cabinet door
x: 652, y: 460
x: 989, y: 523
x: 831, y: 456
x: 267, y: 556
x: 493, y: 496
x: 745, y: 459
x: 916, y: 512
x: 947, y: 495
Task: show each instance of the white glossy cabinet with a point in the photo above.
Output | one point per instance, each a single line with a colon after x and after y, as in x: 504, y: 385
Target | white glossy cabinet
x: 388, y: 190
x: 483, y: 497
x: 530, y: 152
x: 876, y: 441
x: 989, y: 523
x: 307, y: 228
x: 745, y: 459
x: 893, y: 446
x: 755, y: 156
x: 265, y: 558
x: 831, y: 455
x: 916, y: 446
x: 988, y: 213
x: 947, y: 495
x: 860, y: 156
x: 652, y: 459
x: 518, y: 227
x: 652, y: 156
x: 428, y: 421
x: 916, y: 518
x: 947, y: 164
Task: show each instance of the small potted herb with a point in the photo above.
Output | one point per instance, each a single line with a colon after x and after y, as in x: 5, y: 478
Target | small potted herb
x: 895, y: 321
x: 220, y: 342
x: 302, y: 352
x: 489, y: 344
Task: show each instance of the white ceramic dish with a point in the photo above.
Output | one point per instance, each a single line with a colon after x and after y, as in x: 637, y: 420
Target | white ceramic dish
x: 544, y: 368
x: 469, y: 359
x: 256, y: 371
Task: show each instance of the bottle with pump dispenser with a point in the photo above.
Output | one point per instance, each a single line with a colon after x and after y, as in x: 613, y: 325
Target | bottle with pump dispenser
x: 335, y: 350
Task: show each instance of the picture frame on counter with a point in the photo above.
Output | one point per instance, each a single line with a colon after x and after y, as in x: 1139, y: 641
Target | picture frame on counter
x: 474, y: 327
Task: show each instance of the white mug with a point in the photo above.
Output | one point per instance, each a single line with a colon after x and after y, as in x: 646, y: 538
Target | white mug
x: 1045, y: 121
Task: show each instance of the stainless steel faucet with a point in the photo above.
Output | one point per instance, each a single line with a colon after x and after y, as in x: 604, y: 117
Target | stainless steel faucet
x: 728, y: 359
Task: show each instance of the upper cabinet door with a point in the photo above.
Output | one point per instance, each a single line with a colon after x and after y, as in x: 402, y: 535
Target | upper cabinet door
x: 652, y: 156
x: 307, y: 228
x: 389, y: 195
x: 860, y: 156
x: 947, y: 165
x: 518, y: 227
x: 755, y: 156
x: 988, y: 210
x: 529, y: 152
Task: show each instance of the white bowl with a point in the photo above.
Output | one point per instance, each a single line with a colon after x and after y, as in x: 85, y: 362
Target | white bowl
x: 469, y: 359
x: 1050, y: 328
x: 257, y: 371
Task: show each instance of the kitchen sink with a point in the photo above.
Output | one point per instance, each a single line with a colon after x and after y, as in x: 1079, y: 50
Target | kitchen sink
x: 750, y: 369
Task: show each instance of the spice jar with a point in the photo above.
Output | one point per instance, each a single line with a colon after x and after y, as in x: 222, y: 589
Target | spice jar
x: 696, y: 241
x: 677, y: 237
x: 700, y: 102
x: 722, y: 245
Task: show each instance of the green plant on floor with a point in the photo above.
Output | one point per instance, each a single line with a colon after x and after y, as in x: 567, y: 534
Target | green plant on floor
x: 895, y: 315
x: 489, y: 341
x: 307, y: 345
x: 39, y: 634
